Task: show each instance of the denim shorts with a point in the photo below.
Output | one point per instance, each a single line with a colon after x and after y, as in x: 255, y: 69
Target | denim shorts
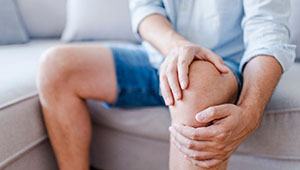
x: 138, y: 80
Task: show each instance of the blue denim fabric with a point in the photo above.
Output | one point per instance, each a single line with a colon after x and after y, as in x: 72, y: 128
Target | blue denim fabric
x: 138, y: 79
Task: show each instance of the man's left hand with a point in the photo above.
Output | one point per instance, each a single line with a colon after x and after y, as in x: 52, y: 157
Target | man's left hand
x: 228, y: 126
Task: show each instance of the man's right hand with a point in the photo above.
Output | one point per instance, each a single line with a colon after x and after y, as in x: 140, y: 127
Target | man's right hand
x: 179, y: 52
x: 175, y: 68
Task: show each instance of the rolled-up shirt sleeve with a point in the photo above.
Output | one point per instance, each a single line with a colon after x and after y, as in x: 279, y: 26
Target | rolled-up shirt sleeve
x: 140, y: 9
x: 266, y: 32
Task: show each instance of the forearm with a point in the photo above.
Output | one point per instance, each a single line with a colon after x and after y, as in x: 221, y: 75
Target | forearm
x: 261, y: 76
x: 157, y: 30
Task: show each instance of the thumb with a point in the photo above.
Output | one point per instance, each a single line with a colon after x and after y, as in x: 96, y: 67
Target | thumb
x: 212, y: 113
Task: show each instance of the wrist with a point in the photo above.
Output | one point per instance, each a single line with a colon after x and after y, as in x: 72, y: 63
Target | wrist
x: 174, y: 40
x: 253, y: 115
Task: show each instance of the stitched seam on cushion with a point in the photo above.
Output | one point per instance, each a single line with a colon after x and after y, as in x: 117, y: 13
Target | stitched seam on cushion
x: 18, y: 100
x: 13, y: 158
x: 281, y: 111
x: 269, y: 156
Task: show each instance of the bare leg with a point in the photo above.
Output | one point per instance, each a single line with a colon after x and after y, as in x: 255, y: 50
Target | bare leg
x: 207, y: 88
x: 67, y: 76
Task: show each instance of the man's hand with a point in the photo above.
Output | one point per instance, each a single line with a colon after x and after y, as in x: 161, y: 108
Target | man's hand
x: 180, y: 53
x: 175, y: 68
x: 228, y: 126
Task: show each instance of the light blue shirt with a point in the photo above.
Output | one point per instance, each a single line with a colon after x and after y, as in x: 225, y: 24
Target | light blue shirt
x: 238, y: 29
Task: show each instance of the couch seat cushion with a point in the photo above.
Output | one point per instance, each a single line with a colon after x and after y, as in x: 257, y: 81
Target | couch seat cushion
x: 278, y: 135
x: 21, y: 125
x: 18, y: 68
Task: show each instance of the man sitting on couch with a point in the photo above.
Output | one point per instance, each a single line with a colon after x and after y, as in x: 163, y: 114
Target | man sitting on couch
x: 219, y: 62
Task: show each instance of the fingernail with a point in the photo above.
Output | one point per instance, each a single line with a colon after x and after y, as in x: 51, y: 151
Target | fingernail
x: 176, y: 95
x: 199, y: 117
x: 183, y: 85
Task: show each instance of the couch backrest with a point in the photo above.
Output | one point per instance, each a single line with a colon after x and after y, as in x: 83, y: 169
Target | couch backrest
x: 295, y: 24
x: 46, y: 18
x: 43, y: 18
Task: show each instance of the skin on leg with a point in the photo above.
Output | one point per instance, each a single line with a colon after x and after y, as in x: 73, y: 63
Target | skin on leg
x: 207, y: 87
x: 67, y: 76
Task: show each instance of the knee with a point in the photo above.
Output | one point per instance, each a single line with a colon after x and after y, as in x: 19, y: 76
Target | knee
x: 207, y: 87
x: 54, y: 68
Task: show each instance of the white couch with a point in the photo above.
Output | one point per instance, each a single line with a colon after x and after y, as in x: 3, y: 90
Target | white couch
x: 140, y: 140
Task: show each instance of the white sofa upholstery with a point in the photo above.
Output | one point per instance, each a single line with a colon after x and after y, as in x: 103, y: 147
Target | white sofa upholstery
x: 140, y: 140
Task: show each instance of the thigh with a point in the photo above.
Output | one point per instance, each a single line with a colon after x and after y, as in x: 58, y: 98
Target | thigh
x: 120, y: 75
x: 137, y: 79
x: 84, y: 70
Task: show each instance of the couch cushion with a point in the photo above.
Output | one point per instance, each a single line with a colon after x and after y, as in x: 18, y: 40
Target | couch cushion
x: 21, y: 125
x: 11, y: 27
x: 43, y: 18
x: 278, y: 136
x: 295, y: 25
x: 18, y: 67
x: 98, y: 20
